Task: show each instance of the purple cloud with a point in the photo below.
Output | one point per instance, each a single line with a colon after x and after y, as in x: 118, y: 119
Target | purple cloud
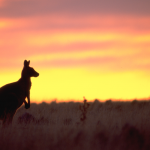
x: 24, y: 8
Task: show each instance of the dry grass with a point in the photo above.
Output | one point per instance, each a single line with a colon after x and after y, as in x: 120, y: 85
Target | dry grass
x: 107, y: 126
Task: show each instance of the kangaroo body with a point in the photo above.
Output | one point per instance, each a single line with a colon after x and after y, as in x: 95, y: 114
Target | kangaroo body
x: 13, y: 95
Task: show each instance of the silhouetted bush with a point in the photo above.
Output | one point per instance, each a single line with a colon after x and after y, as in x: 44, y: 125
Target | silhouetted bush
x: 26, y: 118
x: 83, y: 109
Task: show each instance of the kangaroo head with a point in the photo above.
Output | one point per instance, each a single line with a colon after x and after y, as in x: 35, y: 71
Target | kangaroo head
x: 28, y: 71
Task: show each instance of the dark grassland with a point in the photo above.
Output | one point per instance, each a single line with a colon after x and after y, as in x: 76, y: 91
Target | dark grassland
x: 79, y: 126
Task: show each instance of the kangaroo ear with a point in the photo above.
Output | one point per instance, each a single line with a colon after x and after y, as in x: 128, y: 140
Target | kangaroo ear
x: 26, y: 63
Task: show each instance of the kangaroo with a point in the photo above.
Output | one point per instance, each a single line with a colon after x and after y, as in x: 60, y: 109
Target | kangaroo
x: 13, y: 95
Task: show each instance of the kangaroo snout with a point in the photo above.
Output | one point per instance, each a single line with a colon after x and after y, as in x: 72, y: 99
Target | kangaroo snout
x: 34, y: 73
x: 37, y: 74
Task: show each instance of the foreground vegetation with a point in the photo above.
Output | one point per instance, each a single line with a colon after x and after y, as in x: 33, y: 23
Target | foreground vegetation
x: 79, y: 126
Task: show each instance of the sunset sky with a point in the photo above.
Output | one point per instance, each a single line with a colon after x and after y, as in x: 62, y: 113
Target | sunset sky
x: 97, y: 49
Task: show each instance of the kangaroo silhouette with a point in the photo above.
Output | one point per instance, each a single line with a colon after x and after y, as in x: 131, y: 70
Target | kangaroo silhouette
x: 13, y: 95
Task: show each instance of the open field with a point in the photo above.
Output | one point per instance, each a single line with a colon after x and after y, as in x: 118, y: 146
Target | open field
x: 79, y: 126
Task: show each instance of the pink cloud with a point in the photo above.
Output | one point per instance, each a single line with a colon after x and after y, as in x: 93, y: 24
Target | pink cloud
x: 17, y: 31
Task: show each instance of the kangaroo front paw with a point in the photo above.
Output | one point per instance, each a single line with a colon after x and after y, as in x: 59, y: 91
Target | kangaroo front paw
x: 27, y: 105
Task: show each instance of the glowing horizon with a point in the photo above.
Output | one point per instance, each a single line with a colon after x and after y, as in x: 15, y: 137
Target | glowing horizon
x: 93, y: 53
